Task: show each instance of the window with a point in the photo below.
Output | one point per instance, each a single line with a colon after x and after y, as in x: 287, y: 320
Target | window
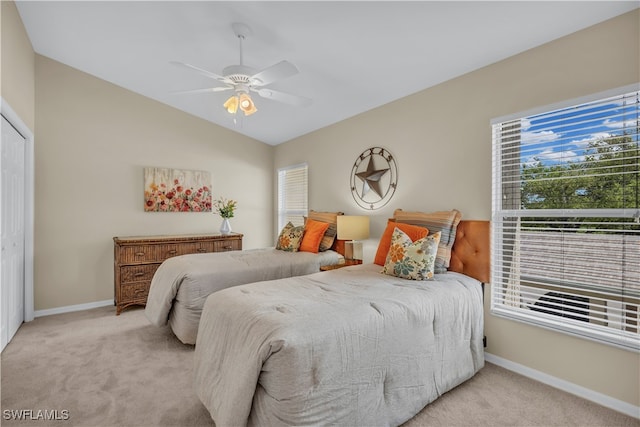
x: 566, y: 218
x: 292, y: 194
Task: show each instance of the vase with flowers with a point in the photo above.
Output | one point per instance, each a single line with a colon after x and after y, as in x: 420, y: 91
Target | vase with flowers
x: 225, y: 209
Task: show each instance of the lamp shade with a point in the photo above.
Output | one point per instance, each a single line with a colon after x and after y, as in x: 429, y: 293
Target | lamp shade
x: 353, y: 227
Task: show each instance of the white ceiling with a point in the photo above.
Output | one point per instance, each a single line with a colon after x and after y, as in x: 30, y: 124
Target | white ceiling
x: 352, y: 56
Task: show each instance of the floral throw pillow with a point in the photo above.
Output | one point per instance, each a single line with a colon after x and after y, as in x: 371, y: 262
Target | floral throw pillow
x: 290, y: 238
x: 411, y: 260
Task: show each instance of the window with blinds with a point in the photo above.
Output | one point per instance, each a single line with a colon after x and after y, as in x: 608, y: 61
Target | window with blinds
x: 292, y: 195
x: 566, y: 218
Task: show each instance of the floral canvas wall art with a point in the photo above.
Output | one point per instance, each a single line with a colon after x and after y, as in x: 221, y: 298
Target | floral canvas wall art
x: 177, y: 190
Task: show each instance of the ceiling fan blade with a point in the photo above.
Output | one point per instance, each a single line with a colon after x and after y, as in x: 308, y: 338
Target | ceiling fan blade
x: 203, y: 72
x: 275, y: 72
x: 205, y: 90
x: 298, y: 101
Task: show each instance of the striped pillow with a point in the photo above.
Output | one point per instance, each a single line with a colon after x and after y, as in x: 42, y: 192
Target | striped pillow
x: 330, y: 235
x: 446, y: 222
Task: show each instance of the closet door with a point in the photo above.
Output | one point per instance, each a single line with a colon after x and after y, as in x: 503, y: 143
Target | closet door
x: 12, y: 163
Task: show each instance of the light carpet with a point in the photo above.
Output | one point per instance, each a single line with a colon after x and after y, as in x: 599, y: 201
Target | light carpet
x: 98, y: 369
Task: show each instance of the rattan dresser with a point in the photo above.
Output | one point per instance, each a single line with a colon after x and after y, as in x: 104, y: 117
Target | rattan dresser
x: 136, y: 259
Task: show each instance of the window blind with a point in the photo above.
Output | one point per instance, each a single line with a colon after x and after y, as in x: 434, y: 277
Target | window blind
x: 292, y: 195
x: 566, y: 219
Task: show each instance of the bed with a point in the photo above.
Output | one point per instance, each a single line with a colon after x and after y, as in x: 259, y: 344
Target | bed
x: 181, y: 284
x: 349, y: 346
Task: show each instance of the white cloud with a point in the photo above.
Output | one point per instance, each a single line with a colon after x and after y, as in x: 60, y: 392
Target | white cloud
x: 584, y: 143
x: 554, y: 157
x: 620, y: 124
x: 530, y: 161
x: 527, y: 138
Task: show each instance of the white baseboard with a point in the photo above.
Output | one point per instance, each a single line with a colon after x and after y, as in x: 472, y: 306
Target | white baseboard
x: 71, y: 308
x: 585, y: 393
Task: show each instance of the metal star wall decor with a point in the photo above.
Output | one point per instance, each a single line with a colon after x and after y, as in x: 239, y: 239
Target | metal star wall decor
x: 373, y: 185
x: 371, y: 178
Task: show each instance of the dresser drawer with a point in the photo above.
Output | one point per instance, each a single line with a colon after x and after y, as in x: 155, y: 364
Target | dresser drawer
x: 227, y: 245
x: 170, y: 250
x: 197, y: 248
x: 139, y: 253
x: 137, y: 273
x: 134, y: 293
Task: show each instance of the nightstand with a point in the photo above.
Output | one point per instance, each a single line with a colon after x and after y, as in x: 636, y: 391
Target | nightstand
x: 347, y: 263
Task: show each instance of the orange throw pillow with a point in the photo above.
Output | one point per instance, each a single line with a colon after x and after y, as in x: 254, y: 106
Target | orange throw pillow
x: 414, y: 232
x: 313, y: 233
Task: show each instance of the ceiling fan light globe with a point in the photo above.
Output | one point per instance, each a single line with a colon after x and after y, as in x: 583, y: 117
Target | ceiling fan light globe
x: 231, y: 104
x: 250, y: 111
x: 247, y: 105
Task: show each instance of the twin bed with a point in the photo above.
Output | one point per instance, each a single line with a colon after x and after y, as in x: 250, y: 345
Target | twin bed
x: 181, y: 284
x: 279, y: 343
x: 349, y: 346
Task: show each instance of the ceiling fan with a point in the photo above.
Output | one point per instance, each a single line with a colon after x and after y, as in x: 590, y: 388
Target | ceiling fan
x: 243, y: 79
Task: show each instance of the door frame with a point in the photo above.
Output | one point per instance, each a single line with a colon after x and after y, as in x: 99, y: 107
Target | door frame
x: 29, y: 197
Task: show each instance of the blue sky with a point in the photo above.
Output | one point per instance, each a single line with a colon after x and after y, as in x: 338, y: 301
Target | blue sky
x: 562, y: 136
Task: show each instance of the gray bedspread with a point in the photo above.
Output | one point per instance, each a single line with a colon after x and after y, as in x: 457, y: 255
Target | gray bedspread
x: 344, y: 347
x: 181, y: 284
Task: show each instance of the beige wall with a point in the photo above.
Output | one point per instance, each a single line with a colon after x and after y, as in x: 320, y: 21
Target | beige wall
x: 441, y: 139
x: 17, y: 65
x: 93, y: 141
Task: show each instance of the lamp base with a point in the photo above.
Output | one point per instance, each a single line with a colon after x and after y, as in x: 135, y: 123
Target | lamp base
x: 353, y: 250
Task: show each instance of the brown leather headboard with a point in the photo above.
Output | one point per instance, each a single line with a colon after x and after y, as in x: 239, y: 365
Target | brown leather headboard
x: 471, y: 250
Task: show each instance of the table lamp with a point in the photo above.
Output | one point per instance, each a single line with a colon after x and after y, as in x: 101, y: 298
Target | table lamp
x: 353, y: 228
